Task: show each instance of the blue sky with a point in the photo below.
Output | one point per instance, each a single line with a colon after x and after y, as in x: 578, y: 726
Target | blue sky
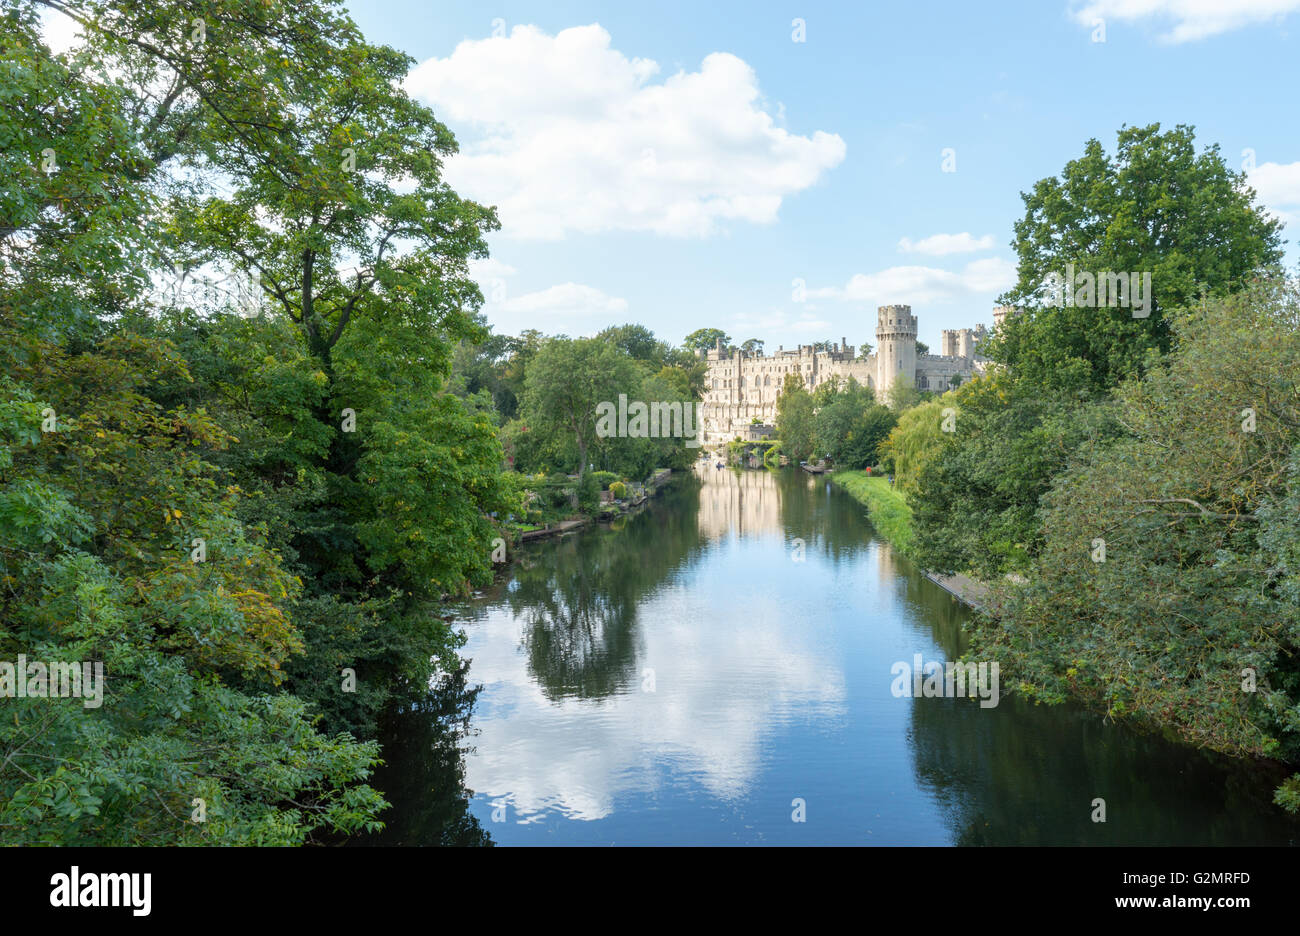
x: 684, y: 166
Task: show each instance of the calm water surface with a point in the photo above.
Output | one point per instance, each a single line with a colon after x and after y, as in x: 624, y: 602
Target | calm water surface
x: 683, y: 680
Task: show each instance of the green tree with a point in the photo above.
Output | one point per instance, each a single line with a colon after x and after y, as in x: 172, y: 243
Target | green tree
x: 1190, y: 618
x: 705, y: 339
x: 638, y: 342
x: 1157, y: 206
x: 794, y: 418
x: 975, y: 498
x: 850, y: 426
x: 567, y: 379
x: 916, y: 440
x: 903, y: 394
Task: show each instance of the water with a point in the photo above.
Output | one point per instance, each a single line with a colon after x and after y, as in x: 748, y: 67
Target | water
x: 683, y: 680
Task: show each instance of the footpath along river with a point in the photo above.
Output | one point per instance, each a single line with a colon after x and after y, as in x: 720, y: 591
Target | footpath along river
x: 721, y: 665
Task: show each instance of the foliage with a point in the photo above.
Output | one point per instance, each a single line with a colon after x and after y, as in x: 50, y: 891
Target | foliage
x: 705, y: 339
x: 336, y: 486
x: 850, y: 426
x: 916, y: 440
x: 794, y: 418
x: 1198, y: 509
x: 1157, y: 206
x: 976, y: 496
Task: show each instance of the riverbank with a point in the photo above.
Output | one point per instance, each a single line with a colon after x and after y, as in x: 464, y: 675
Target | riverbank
x: 887, y: 509
x: 891, y: 515
x: 609, y: 510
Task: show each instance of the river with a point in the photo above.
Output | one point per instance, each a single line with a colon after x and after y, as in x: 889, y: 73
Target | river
x: 718, y: 667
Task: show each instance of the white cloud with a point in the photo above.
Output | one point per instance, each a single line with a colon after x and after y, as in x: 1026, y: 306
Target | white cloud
x: 940, y: 245
x: 571, y: 135
x: 490, y: 268
x: 1191, y: 19
x: 778, y: 320
x: 1278, y: 188
x: 919, y: 285
x: 709, y: 717
x: 569, y: 308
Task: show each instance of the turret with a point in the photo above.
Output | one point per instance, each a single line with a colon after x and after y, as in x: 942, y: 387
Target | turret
x: 895, y: 346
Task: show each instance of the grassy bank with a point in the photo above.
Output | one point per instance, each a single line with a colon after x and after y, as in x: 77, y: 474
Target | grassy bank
x: 888, y: 511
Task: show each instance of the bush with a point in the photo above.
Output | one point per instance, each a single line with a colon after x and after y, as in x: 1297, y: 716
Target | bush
x: 618, y: 489
x: 588, y: 493
x: 605, y: 478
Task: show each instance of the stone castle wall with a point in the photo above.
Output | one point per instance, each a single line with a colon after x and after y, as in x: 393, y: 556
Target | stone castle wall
x: 740, y: 387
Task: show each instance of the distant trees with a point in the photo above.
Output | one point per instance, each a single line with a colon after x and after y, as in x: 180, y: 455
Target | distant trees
x: 565, y: 382
x: 704, y: 339
x: 916, y: 438
x: 850, y: 425
x: 903, y: 393
x: 843, y: 422
x: 794, y: 418
x: 567, y: 379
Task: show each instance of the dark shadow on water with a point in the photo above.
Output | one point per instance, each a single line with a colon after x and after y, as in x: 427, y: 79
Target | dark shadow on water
x: 424, y: 746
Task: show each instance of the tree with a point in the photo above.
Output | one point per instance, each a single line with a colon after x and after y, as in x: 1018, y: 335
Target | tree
x: 1168, y: 586
x: 752, y: 346
x: 916, y: 440
x: 922, y: 348
x: 794, y: 418
x: 903, y: 394
x: 850, y: 425
x: 638, y: 342
x: 706, y: 339
x: 211, y: 571
x: 566, y: 380
x: 975, y: 500
x: 1156, y: 207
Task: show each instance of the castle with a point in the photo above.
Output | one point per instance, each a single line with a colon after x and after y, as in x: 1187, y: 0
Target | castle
x: 741, y: 387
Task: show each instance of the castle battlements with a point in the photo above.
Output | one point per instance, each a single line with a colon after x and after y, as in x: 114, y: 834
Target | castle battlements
x: 741, y: 386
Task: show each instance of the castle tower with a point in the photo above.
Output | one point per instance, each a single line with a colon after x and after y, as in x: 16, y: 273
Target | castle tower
x: 895, y: 347
x: 948, y: 342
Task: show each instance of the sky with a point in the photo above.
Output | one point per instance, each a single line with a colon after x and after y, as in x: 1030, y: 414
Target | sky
x: 779, y: 170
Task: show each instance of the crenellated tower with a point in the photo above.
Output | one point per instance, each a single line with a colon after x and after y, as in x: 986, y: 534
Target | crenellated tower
x: 895, y: 347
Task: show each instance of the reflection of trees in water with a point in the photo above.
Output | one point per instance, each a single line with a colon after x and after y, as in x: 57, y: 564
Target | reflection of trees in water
x: 424, y: 773
x: 1021, y: 774
x: 577, y: 597
x: 944, y: 614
